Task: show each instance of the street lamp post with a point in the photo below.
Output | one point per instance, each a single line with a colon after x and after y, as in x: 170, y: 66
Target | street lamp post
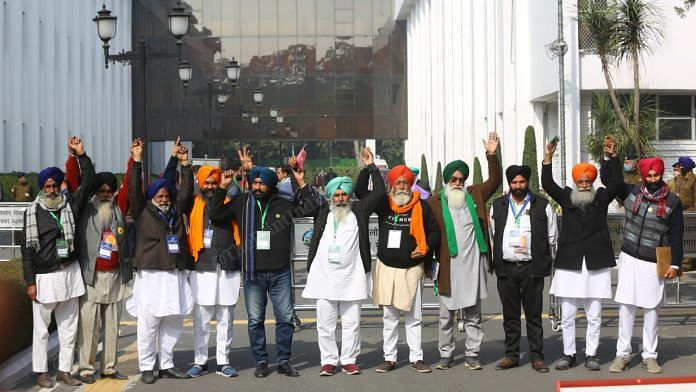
x: 178, y: 19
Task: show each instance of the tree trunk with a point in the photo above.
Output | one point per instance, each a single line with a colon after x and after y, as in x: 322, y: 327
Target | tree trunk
x: 615, y: 102
x: 636, y: 99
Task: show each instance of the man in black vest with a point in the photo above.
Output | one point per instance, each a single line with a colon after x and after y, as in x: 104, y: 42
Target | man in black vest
x: 524, y: 229
x: 653, y: 219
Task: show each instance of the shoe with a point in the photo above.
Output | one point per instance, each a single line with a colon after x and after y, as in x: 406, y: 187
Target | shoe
x: 421, y: 366
x: 619, y: 365
x: 473, y: 363
x: 444, y: 363
x: 226, y: 371
x: 197, y: 371
x: 539, y: 365
x: 386, y: 367
x: 67, y: 379
x: 650, y: 364
x: 148, y: 377
x: 261, y: 370
x: 591, y: 363
x: 287, y: 369
x: 507, y: 363
x: 566, y: 362
x: 44, y: 380
x: 327, y: 370
x: 350, y: 369
x: 173, y: 372
x: 115, y: 375
x: 87, y: 378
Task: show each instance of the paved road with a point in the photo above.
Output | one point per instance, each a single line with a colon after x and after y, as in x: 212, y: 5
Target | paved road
x: 677, y: 349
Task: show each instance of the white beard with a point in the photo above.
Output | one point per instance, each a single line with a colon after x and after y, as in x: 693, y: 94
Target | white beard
x: 104, y: 210
x: 164, y: 207
x: 400, y: 198
x: 340, y: 212
x: 52, y: 203
x: 456, y: 197
x: 582, y: 198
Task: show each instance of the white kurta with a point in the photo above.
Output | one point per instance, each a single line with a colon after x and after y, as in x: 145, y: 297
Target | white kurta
x: 60, y: 285
x: 581, y: 284
x: 344, y: 280
x: 215, y: 287
x: 467, y: 270
x: 160, y: 293
x: 638, y: 283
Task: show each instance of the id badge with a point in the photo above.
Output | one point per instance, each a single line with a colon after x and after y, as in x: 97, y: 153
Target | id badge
x: 263, y: 240
x: 172, y: 244
x: 394, y: 240
x: 105, y: 249
x: 207, y: 238
x: 62, y: 248
x: 335, y: 253
x: 515, y: 238
x: 110, y: 239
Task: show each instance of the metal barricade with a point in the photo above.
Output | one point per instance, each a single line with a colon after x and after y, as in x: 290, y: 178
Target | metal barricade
x: 301, y: 236
x: 11, y: 223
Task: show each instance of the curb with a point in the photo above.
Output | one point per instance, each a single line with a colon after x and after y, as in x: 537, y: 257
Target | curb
x: 13, y: 370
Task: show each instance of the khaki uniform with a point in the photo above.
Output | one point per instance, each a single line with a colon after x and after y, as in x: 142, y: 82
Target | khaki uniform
x: 22, y: 192
x: 685, y: 188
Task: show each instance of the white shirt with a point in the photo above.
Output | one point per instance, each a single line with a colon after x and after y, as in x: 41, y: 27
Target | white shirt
x: 523, y: 252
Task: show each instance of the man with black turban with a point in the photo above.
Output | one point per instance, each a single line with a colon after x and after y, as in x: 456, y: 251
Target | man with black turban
x: 524, y: 229
x: 266, y: 222
x: 51, y: 270
x: 463, y: 254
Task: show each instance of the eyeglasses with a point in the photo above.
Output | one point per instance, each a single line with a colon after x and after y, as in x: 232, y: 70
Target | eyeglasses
x: 455, y: 180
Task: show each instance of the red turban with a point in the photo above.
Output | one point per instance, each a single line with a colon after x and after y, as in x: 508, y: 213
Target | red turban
x: 398, y: 171
x: 583, y: 168
x: 206, y: 171
x: 648, y: 164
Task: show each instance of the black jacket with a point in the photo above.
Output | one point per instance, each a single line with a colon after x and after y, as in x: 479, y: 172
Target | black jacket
x: 541, y: 250
x: 362, y: 210
x: 223, y: 251
x: 46, y: 259
x: 584, y: 233
x: 278, y: 222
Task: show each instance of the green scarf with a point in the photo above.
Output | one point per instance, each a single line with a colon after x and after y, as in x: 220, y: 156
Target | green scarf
x: 449, y: 226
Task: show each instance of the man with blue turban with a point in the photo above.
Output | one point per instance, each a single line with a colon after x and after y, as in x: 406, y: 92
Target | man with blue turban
x: 684, y: 184
x: 265, y: 221
x: 338, y: 263
x: 51, y: 267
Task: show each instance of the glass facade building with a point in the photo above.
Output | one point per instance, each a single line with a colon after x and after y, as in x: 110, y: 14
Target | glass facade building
x: 335, y: 70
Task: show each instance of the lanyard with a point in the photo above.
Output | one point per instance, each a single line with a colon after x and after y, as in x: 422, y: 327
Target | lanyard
x: 59, y: 220
x: 335, y: 225
x: 517, y: 215
x: 171, y: 220
x: 263, y: 214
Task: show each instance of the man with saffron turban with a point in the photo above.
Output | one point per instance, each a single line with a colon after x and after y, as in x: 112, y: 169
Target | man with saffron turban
x: 215, y: 280
x: 654, y: 223
x: 265, y: 223
x: 338, y: 263
x: 585, y: 256
x: 161, y: 293
x: 408, y: 234
x: 462, y: 256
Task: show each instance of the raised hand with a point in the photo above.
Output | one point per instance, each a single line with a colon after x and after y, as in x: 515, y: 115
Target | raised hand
x: 137, y: 150
x: 226, y: 179
x: 175, y: 148
x: 491, y: 144
x: 609, y: 147
x: 75, y: 146
x: 296, y: 172
x: 245, y: 159
x: 367, y: 156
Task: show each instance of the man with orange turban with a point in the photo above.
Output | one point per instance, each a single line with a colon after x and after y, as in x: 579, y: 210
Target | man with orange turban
x: 408, y: 234
x: 654, y: 223
x: 585, y: 257
x: 215, y: 281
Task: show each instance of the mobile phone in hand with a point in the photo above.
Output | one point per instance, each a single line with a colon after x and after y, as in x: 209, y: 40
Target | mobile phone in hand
x: 554, y: 141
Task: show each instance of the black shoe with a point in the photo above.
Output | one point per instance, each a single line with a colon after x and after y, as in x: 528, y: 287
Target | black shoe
x: 87, y: 378
x: 148, y: 377
x: 173, y: 373
x: 261, y: 370
x: 566, y: 362
x: 287, y: 369
x: 115, y: 375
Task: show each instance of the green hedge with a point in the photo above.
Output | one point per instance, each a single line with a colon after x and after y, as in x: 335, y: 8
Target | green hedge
x: 15, y: 308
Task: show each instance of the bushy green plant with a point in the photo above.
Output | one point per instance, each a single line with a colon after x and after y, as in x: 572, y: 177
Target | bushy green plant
x: 15, y: 305
x: 529, y: 158
x: 438, y: 178
x: 424, y: 175
x: 478, y: 176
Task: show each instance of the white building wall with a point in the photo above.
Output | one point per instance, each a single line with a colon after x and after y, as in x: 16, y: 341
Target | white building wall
x: 54, y: 85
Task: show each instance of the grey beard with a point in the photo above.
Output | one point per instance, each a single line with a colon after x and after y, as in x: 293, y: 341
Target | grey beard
x: 164, y: 207
x: 582, y: 198
x: 456, y: 197
x: 52, y: 203
x: 340, y: 211
x: 104, y: 210
x: 401, y: 198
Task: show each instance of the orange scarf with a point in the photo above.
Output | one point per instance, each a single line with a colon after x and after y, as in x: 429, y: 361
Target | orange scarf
x: 417, y: 228
x: 195, y: 237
